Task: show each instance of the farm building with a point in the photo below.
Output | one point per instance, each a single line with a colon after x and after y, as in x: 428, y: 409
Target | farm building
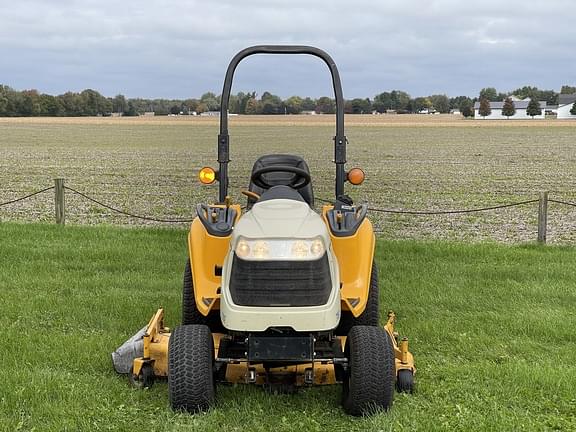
x: 520, y: 104
x: 565, y: 104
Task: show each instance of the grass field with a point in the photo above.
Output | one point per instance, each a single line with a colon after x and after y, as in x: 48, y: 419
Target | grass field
x: 148, y: 166
x: 491, y: 326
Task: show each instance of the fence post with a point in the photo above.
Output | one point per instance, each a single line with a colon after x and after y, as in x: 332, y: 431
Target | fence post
x: 542, y: 217
x: 59, y: 201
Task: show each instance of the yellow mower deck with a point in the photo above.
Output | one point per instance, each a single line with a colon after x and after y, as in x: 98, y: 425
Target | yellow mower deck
x: 156, y: 354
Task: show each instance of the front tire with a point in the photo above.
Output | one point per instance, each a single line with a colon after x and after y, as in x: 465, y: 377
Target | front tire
x: 190, y: 368
x: 369, y: 381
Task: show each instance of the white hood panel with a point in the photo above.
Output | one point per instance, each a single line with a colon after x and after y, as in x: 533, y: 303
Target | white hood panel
x: 281, y: 218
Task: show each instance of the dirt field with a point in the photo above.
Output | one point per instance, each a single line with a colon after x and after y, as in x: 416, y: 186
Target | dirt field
x: 148, y: 166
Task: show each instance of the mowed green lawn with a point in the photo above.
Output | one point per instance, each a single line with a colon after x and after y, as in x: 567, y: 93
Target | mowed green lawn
x: 491, y: 326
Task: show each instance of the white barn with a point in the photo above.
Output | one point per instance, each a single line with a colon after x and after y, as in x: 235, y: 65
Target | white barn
x: 565, y: 103
x: 520, y: 104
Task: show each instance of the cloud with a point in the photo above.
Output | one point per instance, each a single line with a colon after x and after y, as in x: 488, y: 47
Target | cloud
x: 158, y: 48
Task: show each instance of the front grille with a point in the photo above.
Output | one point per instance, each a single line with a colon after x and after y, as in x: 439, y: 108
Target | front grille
x: 280, y: 283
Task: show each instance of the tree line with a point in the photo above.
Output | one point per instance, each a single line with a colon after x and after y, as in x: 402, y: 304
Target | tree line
x: 30, y: 103
x: 535, y: 95
x: 509, y: 107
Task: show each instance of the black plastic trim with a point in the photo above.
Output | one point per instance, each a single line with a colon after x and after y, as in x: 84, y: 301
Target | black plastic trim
x: 224, y: 223
x: 352, y: 218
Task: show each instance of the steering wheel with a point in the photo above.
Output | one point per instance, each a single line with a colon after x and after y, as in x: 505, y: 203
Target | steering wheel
x: 300, y: 179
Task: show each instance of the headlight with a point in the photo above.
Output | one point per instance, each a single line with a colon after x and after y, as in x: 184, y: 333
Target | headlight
x: 277, y: 249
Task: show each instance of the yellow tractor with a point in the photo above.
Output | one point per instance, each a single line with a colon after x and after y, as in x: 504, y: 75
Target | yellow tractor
x: 277, y: 294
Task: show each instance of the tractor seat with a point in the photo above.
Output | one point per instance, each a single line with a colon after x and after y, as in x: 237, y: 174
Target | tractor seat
x: 281, y: 192
x: 280, y: 179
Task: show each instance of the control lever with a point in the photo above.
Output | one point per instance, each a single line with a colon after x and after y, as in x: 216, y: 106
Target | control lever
x: 339, y: 219
x: 227, y: 204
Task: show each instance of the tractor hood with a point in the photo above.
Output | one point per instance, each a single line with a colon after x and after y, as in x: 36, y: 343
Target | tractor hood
x: 281, y: 218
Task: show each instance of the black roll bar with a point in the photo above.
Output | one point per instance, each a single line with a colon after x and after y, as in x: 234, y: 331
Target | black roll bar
x: 224, y: 138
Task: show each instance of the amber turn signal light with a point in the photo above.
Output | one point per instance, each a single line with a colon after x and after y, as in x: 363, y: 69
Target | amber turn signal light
x: 207, y: 175
x: 355, y: 176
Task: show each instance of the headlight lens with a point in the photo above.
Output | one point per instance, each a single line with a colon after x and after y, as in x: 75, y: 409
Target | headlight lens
x: 260, y: 250
x: 280, y: 249
x: 317, y: 248
x: 243, y: 249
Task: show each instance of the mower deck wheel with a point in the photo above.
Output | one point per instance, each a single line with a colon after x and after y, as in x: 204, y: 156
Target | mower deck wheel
x: 405, y: 381
x: 145, y: 378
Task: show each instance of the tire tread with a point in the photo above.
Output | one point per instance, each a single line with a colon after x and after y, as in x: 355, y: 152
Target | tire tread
x: 190, y: 368
x: 371, y: 373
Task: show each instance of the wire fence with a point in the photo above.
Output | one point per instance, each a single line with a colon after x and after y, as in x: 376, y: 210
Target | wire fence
x: 562, y: 202
x: 124, y: 212
x: 447, y: 212
x: 59, y: 200
x: 26, y: 196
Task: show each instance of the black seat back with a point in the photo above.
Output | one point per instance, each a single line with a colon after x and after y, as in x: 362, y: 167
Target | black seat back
x: 281, y: 178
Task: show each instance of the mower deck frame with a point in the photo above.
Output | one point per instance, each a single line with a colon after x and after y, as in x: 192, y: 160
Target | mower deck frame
x: 320, y: 371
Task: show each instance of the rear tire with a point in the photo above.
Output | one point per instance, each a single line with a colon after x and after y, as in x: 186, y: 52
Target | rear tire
x: 371, y: 314
x: 190, y: 368
x: 369, y: 380
x: 190, y: 312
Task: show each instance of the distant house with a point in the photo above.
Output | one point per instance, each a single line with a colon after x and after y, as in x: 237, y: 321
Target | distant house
x: 520, y: 104
x: 149, y: 114
x: 565, y: 103
x: 210, y: 114
x: 308, y: 112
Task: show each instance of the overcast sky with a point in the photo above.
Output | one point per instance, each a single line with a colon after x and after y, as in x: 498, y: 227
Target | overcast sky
x: 180, y: 49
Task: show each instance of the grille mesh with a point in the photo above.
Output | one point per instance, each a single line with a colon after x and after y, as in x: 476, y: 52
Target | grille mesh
x: 280, y: 283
